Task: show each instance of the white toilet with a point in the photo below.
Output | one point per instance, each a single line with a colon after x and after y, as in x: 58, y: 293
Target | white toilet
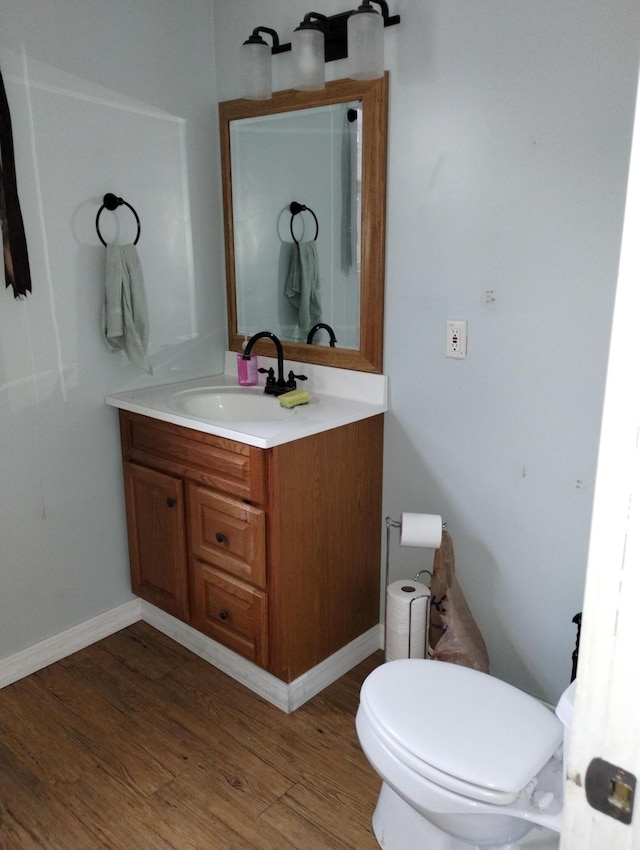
x: 467, y: 760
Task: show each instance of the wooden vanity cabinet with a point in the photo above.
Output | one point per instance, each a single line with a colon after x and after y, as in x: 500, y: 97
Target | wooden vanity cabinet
x: 274, y: 553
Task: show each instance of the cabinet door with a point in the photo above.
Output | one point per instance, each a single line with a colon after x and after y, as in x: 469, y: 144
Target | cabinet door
x: 157, y: 539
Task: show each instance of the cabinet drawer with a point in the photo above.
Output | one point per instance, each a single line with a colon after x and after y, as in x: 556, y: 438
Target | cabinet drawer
x: 226, y: 465
x: 228, y: 533
x: 230, y: 611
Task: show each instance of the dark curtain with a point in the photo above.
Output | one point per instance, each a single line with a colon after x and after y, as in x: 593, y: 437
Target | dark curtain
x: 14, y: 242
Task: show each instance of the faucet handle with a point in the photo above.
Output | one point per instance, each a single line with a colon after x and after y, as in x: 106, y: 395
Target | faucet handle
x: 291, y: 382
x: 271, y: 377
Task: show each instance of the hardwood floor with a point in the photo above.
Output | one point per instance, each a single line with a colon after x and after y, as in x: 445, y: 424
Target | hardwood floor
x: 137, y: 744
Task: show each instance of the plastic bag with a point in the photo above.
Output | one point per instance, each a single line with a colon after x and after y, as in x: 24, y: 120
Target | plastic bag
x: 453, y: 633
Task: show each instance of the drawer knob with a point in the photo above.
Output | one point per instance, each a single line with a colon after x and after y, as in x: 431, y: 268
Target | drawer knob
x: 224, y: 614
x: 219, y: 537
x: 171, y: 502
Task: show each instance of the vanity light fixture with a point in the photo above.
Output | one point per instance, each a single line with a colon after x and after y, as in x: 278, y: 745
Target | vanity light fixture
x: 357, y: 33
x: 307, y: 52
x: 366, y: 43
x: 255, y: 59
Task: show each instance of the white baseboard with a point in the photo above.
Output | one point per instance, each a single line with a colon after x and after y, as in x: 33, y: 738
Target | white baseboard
x: 55, y: 648
x: 286, y: 697
x: 329, y: 670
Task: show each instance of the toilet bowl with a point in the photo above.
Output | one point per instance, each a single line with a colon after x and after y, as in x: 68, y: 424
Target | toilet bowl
x: 466, y: 760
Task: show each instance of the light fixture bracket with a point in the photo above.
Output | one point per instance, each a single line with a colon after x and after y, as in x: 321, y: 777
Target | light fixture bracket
x: 334, y: 28
x: 276, y: 47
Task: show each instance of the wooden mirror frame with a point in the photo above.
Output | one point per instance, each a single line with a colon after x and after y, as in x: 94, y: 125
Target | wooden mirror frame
x: 374, y: 97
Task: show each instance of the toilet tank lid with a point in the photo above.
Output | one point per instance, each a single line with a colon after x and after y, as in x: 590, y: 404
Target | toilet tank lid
x: 462, y: 722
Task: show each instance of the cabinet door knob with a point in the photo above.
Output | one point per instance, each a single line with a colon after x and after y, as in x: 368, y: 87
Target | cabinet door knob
x: 219, y: 537
x: 224, y: 614
x: 171, y: 502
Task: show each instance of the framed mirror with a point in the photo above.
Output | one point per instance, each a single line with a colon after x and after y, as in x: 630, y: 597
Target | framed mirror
x: 304, y: 193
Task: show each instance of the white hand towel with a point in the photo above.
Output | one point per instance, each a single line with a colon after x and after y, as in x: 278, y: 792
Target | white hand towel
x: 124, y: 316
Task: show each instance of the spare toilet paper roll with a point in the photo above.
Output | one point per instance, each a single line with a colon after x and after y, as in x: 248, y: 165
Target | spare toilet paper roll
x: 406, y: 619
x: 424, y: 530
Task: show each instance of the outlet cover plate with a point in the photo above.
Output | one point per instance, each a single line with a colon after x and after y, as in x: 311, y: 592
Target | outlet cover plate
x: 456, y: 339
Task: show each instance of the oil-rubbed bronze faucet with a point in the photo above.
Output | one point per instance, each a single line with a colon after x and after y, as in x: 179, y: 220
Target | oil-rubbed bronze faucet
x: 274, y: 386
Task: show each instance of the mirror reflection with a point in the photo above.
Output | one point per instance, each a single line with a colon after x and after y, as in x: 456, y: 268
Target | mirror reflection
x: 304, y: 199
x: 301, y: 266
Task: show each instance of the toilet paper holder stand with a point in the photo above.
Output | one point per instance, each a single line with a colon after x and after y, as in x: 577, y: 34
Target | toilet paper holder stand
x: 394, y: 523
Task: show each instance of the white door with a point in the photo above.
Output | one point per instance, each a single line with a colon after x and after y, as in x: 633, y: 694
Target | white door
x: 607, y: 712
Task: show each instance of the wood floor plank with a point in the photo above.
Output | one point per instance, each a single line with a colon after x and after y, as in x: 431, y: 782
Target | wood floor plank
x: 342, y: 815
x: 121, y: 819
x: 146, y: 651
x: 290, y: 743
x: 33, y: 815
x: 302, y: 831
x: 135, y: 743
x: 32, y: 726
x: 202, y: 743
x: 116, y: 833
x: 139, y: 758
x: 223, y: 809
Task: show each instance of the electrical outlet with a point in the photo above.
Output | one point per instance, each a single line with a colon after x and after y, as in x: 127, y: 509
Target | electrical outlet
x: 456, y: 339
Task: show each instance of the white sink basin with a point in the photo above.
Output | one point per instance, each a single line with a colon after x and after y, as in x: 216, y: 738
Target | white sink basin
x: 217, y: 405
x: 227, y: 404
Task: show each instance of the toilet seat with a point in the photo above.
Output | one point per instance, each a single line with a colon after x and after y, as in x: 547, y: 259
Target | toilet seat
x: 464, y: 730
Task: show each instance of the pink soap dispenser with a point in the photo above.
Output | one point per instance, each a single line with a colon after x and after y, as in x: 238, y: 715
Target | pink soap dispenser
x: 247, y: 369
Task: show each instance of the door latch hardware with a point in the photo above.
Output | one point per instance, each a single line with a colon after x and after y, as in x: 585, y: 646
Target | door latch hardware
x: 610, y: 790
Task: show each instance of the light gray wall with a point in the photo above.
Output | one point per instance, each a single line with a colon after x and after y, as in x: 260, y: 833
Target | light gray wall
x: 509, y: 137
x: 116, y: 97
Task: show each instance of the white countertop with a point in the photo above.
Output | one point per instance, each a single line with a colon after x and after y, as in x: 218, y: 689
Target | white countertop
x: 337, y: 397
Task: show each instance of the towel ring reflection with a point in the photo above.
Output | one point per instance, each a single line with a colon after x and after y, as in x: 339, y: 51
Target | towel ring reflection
x: 294, y: 209
x: 112, y: 202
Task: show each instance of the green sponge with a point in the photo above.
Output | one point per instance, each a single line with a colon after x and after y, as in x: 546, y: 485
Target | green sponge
x: 294, y: 398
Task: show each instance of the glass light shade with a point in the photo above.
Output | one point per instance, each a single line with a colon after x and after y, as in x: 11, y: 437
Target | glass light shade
x: 256, y: 70
x: 307, y: 51
x: 365, y: 39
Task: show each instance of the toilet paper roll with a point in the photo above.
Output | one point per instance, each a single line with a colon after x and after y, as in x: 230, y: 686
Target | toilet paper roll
x: 423, y: 530
x: 406, y: 619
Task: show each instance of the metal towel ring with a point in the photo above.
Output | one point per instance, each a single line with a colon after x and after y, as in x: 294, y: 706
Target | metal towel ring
x: 112, y: 202
x: 294, y: 209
